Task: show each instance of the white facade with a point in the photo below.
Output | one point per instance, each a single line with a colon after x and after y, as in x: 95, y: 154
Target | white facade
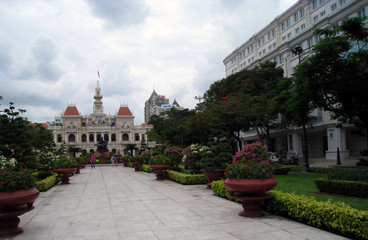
x: 295, y: 27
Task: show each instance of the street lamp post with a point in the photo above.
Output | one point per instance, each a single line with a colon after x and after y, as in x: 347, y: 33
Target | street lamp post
x: 199, y: 98
x: 298, y: 50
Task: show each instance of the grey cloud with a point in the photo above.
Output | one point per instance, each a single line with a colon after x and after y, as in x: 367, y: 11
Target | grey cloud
x: 4, y: 58
x: 45, y: 53
x: 120, y: 12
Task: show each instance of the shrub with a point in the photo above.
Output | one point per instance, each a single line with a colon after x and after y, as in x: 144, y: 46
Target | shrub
x: 47, y: 183
x: 186, y: 179
x: 281, y: 170
x: 343, y: 187
x: 145, y: 168
x: 334, y: 217
x: 160, y: 160
x: 349, y: 174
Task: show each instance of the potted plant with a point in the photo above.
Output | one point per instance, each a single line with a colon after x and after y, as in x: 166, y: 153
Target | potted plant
x: 249, y: 177
x: 213, y: 165
x: 175, y: 154
x: 136, y: 162
x: 65, y: 167
x: 125, y: 160
x: 17, y: 194
x: 81, y: 163
x: 159, y: 164
x: 46, y: 163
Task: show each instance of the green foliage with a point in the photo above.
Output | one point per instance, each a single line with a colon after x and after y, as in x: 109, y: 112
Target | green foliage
x: 145, y: 168
x: 335, y: 217
x: 47, y: 183
x: 175, y: 154
x: 250, y: 162
x: 65, y: 162
x: 343, y: 187
x: 137, y: 158
x: 160, y: 160
x: 281, y: 170
x: 193, y: 155
x: 14, y: 177
x: 186, y: 179
x: 350, y: 175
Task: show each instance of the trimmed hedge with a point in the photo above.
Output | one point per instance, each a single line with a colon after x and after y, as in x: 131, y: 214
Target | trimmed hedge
x: 145, y: 168
x: 343, y: 187
x: 334, y: 217
x: 47, y: 183
x: 186, y: 179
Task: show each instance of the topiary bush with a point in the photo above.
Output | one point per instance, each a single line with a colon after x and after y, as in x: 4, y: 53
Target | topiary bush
x: 186, y: 179
x: 343, y: 187
x: 47, y: 183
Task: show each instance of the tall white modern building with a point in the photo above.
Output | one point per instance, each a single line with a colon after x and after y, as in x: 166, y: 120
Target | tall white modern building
x: 295, y: 28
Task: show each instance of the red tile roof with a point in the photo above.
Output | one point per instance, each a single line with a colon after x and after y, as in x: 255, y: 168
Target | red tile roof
x: 146, y: 125
x: 71, y: 111
x: 45, y: 125
x: 124, y: 111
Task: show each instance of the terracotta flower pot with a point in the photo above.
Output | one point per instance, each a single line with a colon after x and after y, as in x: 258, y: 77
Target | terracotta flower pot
x: 213, y: 175
x: 251, y: 192
x: 137, y: 166
x: 159, y: 170
x: 12, y: 205
x: 65, y: 173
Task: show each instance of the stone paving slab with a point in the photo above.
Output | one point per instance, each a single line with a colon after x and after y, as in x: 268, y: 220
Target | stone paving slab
x: 118, y: 203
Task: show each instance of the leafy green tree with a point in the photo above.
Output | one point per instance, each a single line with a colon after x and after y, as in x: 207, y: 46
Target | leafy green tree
x: 130, y: 147
x: 335, y: 78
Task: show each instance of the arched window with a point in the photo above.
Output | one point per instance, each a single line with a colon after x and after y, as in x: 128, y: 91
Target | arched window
x: 125, y: 137
x: 59, y: 138
x: 92, y: 151
x: 71, y: 138
x: 84, y: 138
x: 91, y: 138
x: 113, y: 137
x: 106, y: 137
x: 98, y: 137
x: 113, y: 151
x: 137, y: 137
x: 84, y: 152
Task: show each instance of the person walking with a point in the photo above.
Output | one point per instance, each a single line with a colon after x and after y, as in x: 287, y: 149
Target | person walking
x: 113, y: 161
x: 93, y: 161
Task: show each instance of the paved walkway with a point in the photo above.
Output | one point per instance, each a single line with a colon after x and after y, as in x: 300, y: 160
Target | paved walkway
x: 118, y: 203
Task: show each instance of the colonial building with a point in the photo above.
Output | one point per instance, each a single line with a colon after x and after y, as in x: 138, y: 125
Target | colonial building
x: 157, y: 104
x: 288, y: 37
x: 85, y: 131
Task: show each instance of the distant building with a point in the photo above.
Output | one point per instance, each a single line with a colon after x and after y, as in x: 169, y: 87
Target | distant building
x: 275, y: 42
x: 157, y: 104
x: 85, y: 131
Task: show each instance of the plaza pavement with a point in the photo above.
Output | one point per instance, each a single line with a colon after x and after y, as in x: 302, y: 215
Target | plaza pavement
x: 117, y: 203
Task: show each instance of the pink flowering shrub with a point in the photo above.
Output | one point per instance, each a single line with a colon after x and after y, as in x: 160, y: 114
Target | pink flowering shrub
x: 252, y: 162
x: 175, y: 154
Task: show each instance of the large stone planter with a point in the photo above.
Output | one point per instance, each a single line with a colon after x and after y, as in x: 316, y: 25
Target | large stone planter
x: 137, y: 166
x: 251, y: 192
x: 65, y: 173
x: 12, y: 205
x: 213, y: 175
x: 159, y: 170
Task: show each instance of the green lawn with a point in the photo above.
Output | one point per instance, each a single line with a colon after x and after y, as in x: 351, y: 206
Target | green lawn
x: 302, y: 183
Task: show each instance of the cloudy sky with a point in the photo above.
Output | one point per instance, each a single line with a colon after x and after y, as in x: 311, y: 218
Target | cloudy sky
x: 50, y: 51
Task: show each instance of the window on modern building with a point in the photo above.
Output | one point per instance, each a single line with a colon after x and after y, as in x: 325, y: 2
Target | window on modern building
x: 264, y: 51
x: 282, y: 26
x: 342, y: 2
x: 296, y: 30
x: 301, y: 12
x: 137, y: 137
x: 251, y: 48
x: 315, y: 4
x: 275, y: 60
x: 321, y: 1
x: 84, y: 138
x: 269, y: 36
x: 333, y: 7
x: 315, y: 19
x: 91, y: 138
x: 59, y: 138
x: 106, y: 137
x: 248, y: 60
x: 283, y: 38
x: 252, y: 59
x: 361, y: 13
x: 310, y: 42
x: 248, y: 50
x: 71, y: 138
x: 289, y: 35
x: 263, y: 40
x: 259, y: 43
x: 316, y: 39
x: 260, y: 54
x: 288, y: 22
x: 296, y: 16
x: 113, y: 137
x: 302, y: 26
x: 281, y: 59
x: 273, y: 33
x: 323, y: 13
x: 274, y: 44
x: 270, y: 47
